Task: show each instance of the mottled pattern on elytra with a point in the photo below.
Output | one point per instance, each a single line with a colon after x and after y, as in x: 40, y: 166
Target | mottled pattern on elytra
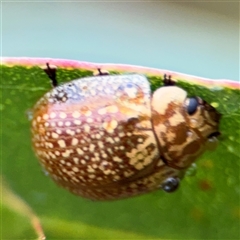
x: 97, y: 133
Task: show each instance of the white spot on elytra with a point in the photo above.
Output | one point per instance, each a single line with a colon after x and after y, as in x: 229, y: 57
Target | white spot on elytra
x: 62, y: 161
x: 52, y: 115
x: 67, y: 123
x: 80, y: 151
x: 102, y: 111
x: 98, y: 136
x: 75, y: 179
x: 121, y: 134
x: 91, y: 176
x: 74, y: 141
x: 58, y: 131
x: 110, y: 140
x: 61, y: 143
x: 110, y: 126
x: 53, y: 124
x: 76, y: 160
x: 104, y: 155
x: 100, y: 144
x: 95, y: 166
x: 117, y: 159
x: 89, y: 120
x: 46, y: 124
x: 75, y: 169
x: 55, y: 135
x: 70, y: 132
x: 57, y: 153
x: 48, y: 144
x: 76, y: 114
x: 86, y: 128
x: 90, y: 169
x: 91, y: 147
x: 45, y: 116
x: 77, y: 122
x: 62, y: 115
x: 66, y: 154
x: 60, y: 123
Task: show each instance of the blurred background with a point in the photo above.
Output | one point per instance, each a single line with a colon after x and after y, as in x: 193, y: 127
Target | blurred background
x: 197, y: 38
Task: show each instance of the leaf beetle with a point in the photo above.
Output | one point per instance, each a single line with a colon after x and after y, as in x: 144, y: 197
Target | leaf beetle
x: 107, y: 137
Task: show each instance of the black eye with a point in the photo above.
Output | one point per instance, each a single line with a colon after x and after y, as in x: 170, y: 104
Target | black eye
x: 192, y: 105
x: 170, y: 184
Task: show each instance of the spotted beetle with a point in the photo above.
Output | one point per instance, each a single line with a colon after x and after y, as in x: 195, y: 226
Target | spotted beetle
x: 107, y: 137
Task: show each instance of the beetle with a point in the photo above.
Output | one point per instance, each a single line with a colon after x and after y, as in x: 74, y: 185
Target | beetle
x: 107, y: 137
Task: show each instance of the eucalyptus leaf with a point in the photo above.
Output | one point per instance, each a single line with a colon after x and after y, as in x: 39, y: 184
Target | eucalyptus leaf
x: 206, y: 206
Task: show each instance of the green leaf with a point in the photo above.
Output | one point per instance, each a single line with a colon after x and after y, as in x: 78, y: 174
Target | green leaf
x: 205, y: 207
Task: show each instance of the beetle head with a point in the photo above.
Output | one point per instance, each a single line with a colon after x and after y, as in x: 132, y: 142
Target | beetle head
x: 184, y: 127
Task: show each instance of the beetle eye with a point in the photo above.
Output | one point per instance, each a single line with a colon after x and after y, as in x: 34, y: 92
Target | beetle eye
x: 170, y: 184
x: 192, y: 105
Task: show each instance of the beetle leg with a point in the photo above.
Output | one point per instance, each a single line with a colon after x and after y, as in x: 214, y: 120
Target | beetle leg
x: 51, y: 70
x: 167, y: 80
x: 100, y: 72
